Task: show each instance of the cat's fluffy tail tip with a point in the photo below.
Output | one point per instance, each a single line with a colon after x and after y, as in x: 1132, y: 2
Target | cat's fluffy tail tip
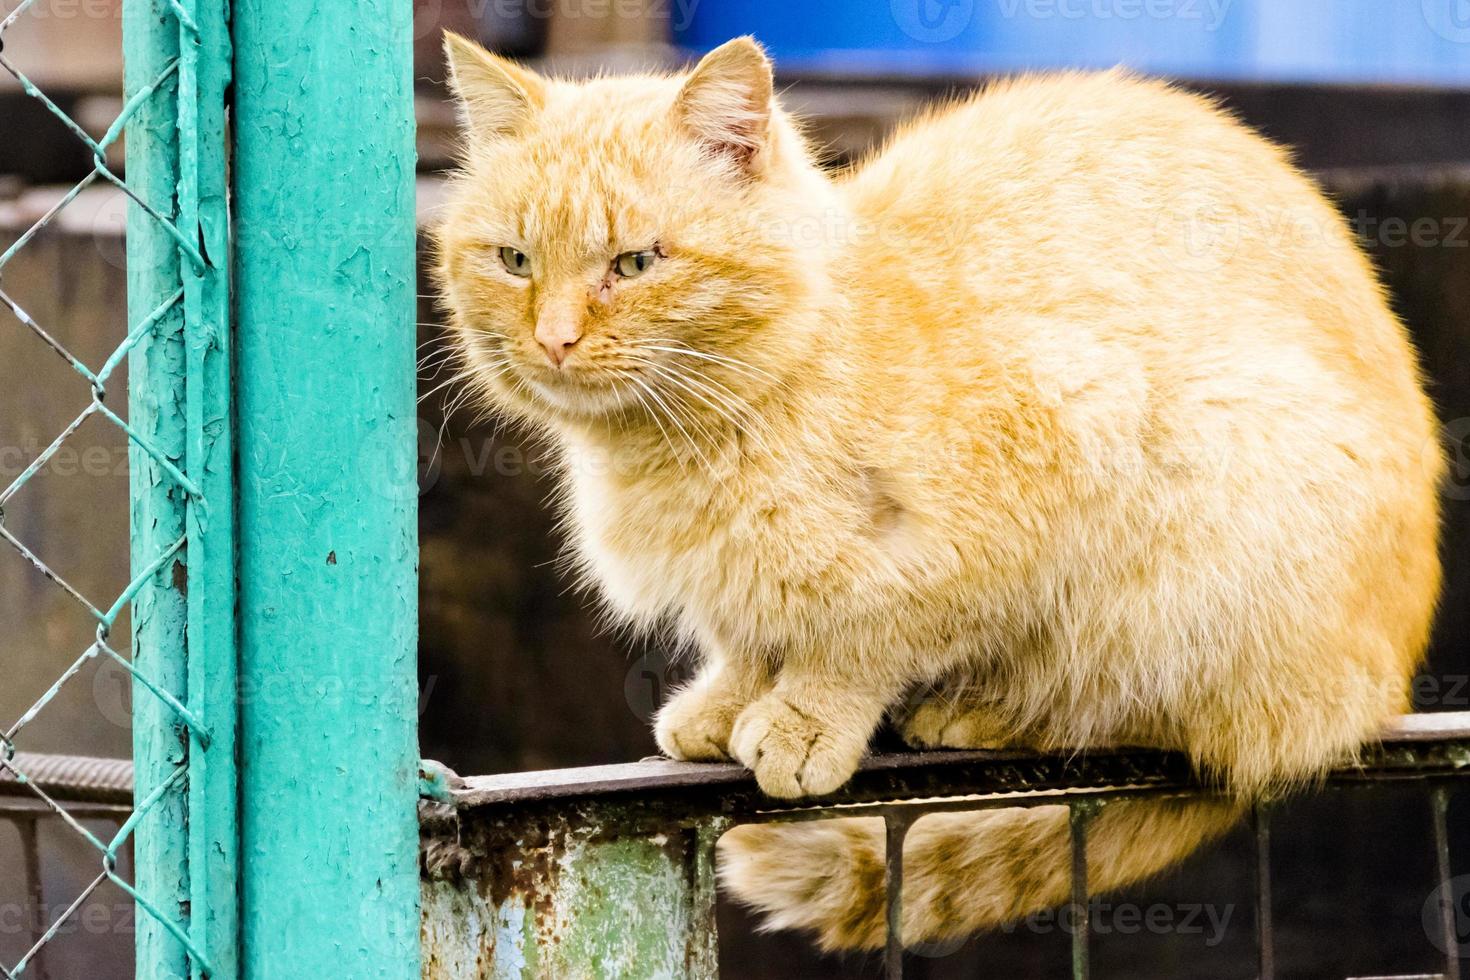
x: 826, y: 878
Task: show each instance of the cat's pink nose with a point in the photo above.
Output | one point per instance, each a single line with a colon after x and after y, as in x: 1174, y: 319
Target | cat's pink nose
x: 557, y: 336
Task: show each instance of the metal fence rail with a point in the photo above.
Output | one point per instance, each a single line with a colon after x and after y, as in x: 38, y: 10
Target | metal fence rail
x: 512, y: 861
x: 93, y: 790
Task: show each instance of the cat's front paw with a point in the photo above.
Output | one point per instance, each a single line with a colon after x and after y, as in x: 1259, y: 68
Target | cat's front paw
x: 791, y: 752
x: 941, y: 724
x: 694, y: 725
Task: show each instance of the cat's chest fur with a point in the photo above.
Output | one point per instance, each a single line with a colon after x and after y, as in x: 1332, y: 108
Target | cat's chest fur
x: 758, y: 549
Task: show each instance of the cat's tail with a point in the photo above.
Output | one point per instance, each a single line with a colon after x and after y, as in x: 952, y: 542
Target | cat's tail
x: 963, y: 872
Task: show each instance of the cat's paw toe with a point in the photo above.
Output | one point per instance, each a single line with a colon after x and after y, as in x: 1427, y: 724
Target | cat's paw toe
x: 791, y: 752
x: 938, y: 724
x: 694, y: 727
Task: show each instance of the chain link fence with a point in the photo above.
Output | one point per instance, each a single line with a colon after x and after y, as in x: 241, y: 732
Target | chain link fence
x: 268, y: 151
x: 149, y: 387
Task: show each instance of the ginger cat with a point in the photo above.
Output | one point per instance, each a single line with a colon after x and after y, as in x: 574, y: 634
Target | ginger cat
x: 1076, y: 407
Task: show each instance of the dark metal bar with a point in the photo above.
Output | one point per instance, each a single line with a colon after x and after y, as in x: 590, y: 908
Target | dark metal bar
x: 1079, y: 818
x: 1417, y: 747
x: 1440, y: 804
x: 896, y: 829
x: 1265, y: 931
x: 71, y: 778
x: 35, y: 890
x: 20, y: 808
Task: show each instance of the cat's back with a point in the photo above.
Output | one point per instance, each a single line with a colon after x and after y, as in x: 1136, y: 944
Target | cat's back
x: 1099, y: 140
x: 1078, y: 173
x: 1121, y: 212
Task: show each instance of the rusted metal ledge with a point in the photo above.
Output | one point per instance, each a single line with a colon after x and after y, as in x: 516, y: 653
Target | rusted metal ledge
x: 609, y: 870
x: 1416, y: 746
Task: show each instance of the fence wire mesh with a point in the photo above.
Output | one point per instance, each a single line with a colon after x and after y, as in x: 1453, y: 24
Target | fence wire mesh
x: 167, y: 208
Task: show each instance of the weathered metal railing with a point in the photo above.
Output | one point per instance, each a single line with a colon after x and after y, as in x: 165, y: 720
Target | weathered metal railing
x: 610, y: 869
x: 90, y: 790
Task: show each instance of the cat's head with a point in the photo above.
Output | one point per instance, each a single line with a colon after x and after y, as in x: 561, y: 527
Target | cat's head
x: 621, y: 244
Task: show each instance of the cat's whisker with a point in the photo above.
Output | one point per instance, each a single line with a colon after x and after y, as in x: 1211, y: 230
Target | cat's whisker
x: 685, y: 385
x: 682, y: 422
x: 468, y: 372
x: 461, y: 375
x: 740, y: 412
x: 456, y: 402
x: 717, y: 358
x: 676, y: 420
x: 723, y: 393
x: 649, y: 410
x: 726, y: 411
x: 437, y: 358
x: 696, y: 416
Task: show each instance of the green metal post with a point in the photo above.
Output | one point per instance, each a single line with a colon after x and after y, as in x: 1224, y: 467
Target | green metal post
x: 325, y: 295
x: 180, y: 401
x: 156, y: 374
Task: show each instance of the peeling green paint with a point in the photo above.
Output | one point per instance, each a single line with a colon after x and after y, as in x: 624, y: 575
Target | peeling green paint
x: 179, y: 400
x: 581, y: 895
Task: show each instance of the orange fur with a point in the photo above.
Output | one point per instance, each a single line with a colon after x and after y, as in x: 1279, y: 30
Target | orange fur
x: 1076, y: 406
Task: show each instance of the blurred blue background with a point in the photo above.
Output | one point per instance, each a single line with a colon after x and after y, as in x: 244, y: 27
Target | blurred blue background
x: 1390, y: 41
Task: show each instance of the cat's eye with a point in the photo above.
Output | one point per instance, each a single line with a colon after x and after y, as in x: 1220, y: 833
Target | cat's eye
x: 631, y: 265
x: 517, y: 263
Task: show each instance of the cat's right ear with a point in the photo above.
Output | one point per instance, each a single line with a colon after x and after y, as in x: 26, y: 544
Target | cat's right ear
x: 496, y: 97
x: 726, y: 103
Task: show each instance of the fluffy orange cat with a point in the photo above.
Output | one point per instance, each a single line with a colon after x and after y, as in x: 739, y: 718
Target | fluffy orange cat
x: 1075, y: 407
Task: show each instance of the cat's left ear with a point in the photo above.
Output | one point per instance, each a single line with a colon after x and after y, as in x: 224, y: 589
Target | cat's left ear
x: 496, y: 97
x: 726, y: 103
